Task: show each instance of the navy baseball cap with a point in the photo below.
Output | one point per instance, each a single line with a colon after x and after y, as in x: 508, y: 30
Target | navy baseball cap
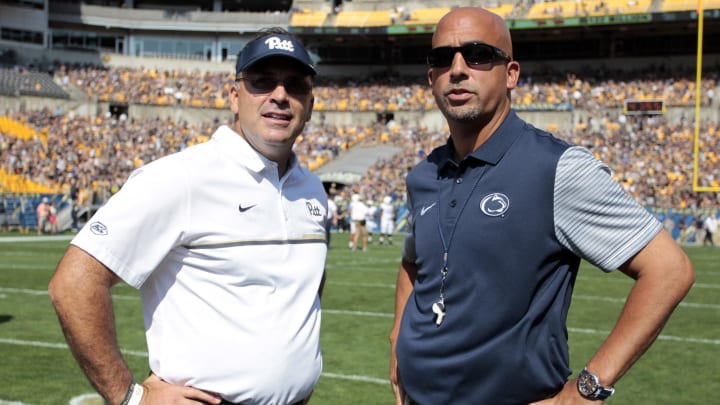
x: 273, y: 45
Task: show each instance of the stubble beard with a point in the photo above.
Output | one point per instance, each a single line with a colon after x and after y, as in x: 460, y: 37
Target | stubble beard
x: 461, y: 114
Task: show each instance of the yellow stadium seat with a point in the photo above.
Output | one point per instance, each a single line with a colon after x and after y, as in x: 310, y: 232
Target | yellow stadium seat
x: 502, y: 10
x: 379, y: 18
x: 426, y: 15
x: 567, y: 9
x: 308, y: 19
x: 21, y: 131
x: 13, y: 183
x: 682, y: 5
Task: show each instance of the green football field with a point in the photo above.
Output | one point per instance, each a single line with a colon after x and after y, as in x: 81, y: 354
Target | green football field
x: 683, y: 367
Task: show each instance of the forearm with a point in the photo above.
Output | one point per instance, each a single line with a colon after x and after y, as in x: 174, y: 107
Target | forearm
x: 405, y: 281
x: 662, y: 281
x: 663, y: 275
x: 83, y: 304
x: 645, y: 313
x: 97, y: 351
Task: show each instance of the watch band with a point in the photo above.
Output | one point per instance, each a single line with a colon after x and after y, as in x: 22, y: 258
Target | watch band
x: 603, y: 393
x: 590, y: 388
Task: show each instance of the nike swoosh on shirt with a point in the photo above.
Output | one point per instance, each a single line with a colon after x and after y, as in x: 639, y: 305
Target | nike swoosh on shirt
x: 423, y: 210
x: 243, y: 209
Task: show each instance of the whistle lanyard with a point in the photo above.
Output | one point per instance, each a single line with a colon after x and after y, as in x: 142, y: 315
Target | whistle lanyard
x: 438, y: 307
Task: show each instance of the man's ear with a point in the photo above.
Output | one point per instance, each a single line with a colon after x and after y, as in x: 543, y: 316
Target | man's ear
x: 310, y: 110
x: 233, y: 98
x: 430, y: 76
x: 513, y: 74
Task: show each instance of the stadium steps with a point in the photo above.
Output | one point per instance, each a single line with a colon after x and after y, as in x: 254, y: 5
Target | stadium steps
x: 15, y: 83
x: 351, y: 166
x: 75, y: 92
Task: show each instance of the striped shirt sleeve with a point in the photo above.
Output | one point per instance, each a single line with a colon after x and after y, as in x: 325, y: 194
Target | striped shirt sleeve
x: 594, y: 217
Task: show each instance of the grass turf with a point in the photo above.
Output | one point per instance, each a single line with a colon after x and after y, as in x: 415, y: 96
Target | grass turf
x: 681, y: 368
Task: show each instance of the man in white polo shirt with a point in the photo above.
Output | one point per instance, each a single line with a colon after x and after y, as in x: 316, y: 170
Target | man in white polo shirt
x: 358, y: 215
x: 226, y: 243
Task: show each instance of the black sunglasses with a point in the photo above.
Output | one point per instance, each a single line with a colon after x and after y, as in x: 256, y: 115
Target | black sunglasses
x: 266, y: 84
x: 474, y: 53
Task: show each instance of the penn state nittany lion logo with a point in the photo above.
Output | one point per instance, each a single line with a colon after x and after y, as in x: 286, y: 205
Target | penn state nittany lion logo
x: 495, y: 204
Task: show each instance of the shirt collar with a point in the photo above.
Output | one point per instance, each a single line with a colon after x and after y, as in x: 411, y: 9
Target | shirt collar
x: 495, y: 146
x: 239, y: 151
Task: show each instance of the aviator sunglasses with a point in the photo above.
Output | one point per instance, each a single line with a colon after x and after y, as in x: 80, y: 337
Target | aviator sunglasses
x: 267, y: 84
x: 474, y: 53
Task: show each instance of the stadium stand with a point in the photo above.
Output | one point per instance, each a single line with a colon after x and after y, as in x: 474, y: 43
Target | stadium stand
x: 380, y: 18
x: 684, y: 5
x: 426, y: 15
x: 308, y: 18
x: 208, y: 89
x: 120, y: 116
x: 169, y: 17
x: 20, y: 131
x: 645, y: 153
x: 586, y: 8
x: 506, y: 10
x: 18, y: 183
x: 26, y: 83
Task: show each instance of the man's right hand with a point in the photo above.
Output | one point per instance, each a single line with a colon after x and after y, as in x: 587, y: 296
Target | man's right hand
x: 404, y: 287
x: 395, y: 378
x: 159, y: 392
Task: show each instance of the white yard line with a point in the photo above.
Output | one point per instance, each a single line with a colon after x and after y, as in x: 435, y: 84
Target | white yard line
x: 6, y: 402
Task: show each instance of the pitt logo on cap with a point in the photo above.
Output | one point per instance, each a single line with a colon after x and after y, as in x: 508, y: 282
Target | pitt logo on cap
x: 277, y: 43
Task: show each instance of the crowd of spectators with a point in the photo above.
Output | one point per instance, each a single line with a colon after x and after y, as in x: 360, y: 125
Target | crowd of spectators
x: 148, y: 86
x: 651, y: 157
x: 94, y: 153
x: 654, y: 159
x: 589, y: 88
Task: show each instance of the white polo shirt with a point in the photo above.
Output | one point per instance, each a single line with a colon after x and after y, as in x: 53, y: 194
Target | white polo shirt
x: 228, y: 259
x: 358, y: 211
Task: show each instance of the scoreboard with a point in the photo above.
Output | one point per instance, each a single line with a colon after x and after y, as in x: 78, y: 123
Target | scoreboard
x: 644, y: 107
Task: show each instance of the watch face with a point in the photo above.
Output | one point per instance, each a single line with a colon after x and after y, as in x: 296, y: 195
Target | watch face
x: 587, y: 384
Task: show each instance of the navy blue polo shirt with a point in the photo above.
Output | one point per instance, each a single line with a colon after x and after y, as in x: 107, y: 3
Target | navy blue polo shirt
x: 509, y: 282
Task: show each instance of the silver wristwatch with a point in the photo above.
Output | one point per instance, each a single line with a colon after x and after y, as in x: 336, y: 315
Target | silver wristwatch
x: 588, y: 384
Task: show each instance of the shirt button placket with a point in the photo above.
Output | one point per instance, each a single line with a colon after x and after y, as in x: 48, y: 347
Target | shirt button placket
x: 453, y: 202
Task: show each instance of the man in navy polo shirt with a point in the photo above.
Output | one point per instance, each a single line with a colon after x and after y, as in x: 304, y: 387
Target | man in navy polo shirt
x: 501, y: 217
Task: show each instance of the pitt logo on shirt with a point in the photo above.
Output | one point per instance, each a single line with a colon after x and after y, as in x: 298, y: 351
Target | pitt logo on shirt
x: 277, y: 43
x: 313, y: 209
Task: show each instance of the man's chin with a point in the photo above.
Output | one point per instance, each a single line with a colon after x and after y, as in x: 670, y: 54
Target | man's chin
x: 462, y: 115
